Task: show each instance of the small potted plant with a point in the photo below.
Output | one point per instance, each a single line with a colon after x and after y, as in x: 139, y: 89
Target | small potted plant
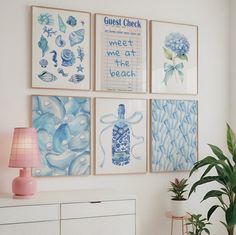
x: 178, y: 188
x: 198, y: 224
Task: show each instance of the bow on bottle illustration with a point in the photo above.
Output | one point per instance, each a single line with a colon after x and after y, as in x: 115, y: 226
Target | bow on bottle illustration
x: 122, y: 129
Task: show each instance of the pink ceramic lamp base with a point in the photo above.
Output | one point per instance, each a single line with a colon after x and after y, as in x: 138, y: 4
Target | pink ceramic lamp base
x: 24, y: 186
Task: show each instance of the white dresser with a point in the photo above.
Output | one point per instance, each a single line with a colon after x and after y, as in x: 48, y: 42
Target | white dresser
x: 84, y: 212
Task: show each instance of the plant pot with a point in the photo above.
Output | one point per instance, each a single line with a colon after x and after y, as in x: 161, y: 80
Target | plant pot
x: 178, y: 207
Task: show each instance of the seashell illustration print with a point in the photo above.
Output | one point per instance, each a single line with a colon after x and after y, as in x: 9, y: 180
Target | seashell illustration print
x: 68, y: 57
x: 76, y: 37
x: 71, y: 21
x: 43, y: 63
x: 76, y: 78
x: 47, y: 77
x: 61, y: 24
x: 60, y: 42
x: 45, y: 19
x: 43, y: 45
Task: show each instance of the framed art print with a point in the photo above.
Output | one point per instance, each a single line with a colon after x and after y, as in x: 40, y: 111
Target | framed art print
x: 174, y: 58
x: 174, y: 135
x: 120, y: 136
x: 63, y: 128
x: 121, y: 54
x: 60, y: 48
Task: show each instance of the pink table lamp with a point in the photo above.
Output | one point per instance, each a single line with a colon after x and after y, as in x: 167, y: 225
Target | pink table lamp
x: 24, y: 154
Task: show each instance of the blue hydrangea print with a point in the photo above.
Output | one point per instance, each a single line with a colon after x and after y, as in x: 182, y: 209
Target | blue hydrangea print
x: 176, y: 49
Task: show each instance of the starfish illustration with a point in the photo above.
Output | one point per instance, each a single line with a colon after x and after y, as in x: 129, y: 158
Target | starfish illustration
x: 80, y: 68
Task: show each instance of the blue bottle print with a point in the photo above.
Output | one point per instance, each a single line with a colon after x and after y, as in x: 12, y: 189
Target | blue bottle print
x: 121, y: 139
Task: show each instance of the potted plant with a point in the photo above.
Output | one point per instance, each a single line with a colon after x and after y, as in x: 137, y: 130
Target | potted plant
x: 178, y: 188
x: 198, y: 224
x: 225, y: 176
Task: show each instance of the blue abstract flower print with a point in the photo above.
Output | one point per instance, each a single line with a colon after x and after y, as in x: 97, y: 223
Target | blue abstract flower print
x: 176, y: 49
x: 64, y: 43
x: 174, y: 135
x: 63, y: 127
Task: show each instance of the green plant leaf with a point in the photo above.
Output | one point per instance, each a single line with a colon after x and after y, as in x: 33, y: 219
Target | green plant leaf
x: 182, y: 57
x: 205, y: 161
x: 213, y: 193
x: 231, y: 142
x: 204, y: 181
x: 208, y: 170
x: 211, y: 211
x: 168, y: 53
x: 230, y: 215
x: 207, y: 231
x: 218, y: 152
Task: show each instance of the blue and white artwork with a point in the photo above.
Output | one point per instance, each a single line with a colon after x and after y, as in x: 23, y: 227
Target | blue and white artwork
x: 63, y: 127
x: 174, y: 58
x: 174, y: 135
x: 120, y: 136
x: 60, y: 44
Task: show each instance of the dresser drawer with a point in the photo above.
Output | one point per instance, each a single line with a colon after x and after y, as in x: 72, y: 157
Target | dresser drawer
x: 95, y: 209
x: 22, y: 214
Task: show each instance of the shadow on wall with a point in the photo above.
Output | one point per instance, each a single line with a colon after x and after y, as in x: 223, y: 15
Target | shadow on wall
x: 5, y: 145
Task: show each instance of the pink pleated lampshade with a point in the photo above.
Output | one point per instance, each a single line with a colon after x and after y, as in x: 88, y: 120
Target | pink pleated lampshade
x: 25, y: 150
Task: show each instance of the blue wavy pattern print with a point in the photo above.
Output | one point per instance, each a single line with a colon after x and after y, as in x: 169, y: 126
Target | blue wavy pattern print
x: 63, y: 127
x: 174, y: 135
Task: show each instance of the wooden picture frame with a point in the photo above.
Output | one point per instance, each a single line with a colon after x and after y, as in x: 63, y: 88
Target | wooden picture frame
x: 121, y: 54
x: 120, y: 136
x: 63, y: 126
x: 174, y: 135
x: 61, y: 48
x: 174, y: 58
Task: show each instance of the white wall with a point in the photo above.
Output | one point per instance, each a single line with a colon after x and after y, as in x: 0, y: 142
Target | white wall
x: 212, y: 17
x: 233, y: 63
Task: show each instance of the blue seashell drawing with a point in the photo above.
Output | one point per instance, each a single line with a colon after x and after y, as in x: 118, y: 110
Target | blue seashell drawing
x: 76, y: 78
x: 54, y: 57
x: 76, y: 37
x: 71, y: 21
x: 43, y: 45
x: 47, y: 77
x: 80, y: 165
x: 43, y: 63
x: 59, y: 41
x: 60, y: 161
x: 61, y: 24
x: 53, y: 107
x: 61, y: 71
x: 63, y: 128
x: 45, y: 19
x: 68, y: 57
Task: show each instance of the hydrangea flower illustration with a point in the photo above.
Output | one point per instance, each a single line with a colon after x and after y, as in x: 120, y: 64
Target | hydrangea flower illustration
x: 176, y: 48
x: 45, y: 19
x: 177, y: 43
